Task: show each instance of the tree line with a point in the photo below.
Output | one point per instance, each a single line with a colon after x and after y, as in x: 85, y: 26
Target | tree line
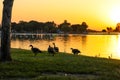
x: 48, y: 27
x: 110, y: 29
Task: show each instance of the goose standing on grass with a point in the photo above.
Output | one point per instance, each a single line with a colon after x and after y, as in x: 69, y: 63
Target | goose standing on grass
x: 51, y: 50
x: 75, y: 51
x: 56, y: 48
x: 35, y: 50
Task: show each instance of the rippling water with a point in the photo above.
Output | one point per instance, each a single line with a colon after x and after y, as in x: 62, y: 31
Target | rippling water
x: 90, y: 45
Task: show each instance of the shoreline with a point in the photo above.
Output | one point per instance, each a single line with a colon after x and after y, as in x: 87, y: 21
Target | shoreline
x: 89, y: 33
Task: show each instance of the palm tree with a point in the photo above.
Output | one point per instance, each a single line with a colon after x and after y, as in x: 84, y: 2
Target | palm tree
x: 5, y: 35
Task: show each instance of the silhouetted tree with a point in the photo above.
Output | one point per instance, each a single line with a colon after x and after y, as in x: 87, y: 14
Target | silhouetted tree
x: 109, y: 29
x: 84, y: 27
x: 13, y: 26
x: 22, y: 25
x: 5, y: 35
x: 104, y: 30
x: 34, y: 26
x: 65, y: 26
x: 76, y: 28
x: 50, y: 27
x: 118, y: 27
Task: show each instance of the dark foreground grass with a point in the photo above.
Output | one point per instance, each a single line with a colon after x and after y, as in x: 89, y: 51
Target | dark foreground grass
x: 59, y: 67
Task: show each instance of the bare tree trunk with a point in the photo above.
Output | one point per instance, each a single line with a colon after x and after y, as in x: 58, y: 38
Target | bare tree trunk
x: 5, y: 35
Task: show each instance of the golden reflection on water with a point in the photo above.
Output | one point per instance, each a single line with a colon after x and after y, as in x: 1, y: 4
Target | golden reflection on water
x: 90, y: 45
x: 118, y: 47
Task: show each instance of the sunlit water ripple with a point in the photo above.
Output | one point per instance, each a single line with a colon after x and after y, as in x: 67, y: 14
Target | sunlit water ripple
x: 90, y: 45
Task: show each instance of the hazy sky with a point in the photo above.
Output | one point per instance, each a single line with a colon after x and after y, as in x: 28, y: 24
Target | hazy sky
x: 98, y: 14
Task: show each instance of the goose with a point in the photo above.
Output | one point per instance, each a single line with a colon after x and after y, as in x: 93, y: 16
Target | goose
x: 35, y: 50
x: 75, y: 51
x: 51, y: 50
x: 56, y: 48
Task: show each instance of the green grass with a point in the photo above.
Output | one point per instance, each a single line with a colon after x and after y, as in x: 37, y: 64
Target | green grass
x: 59, y: 67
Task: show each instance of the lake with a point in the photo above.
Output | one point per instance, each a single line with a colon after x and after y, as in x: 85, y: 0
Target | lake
x: 90, y: 45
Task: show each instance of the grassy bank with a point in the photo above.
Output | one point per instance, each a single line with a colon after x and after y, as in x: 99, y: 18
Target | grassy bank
x: 59, y: 67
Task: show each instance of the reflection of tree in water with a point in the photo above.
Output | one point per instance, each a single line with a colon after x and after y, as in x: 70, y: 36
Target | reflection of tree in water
x: 33, y: 37
x: 21, y: 43
x: 48, y: 37
x: 66, y: 39
x: 84, y: 39
x: 18, y: 43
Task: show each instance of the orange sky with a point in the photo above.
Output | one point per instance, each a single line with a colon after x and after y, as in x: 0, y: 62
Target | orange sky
x: 98, y: 14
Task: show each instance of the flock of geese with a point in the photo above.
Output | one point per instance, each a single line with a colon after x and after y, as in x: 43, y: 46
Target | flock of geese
x: 52, y: 50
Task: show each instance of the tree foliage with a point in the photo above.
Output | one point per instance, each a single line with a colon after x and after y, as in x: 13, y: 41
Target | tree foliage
x: 117, y: 27
x: 65, y: 26
x: 48, y: 27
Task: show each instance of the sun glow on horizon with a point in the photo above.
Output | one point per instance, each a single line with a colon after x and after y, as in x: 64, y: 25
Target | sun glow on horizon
x: 96, y: 13
x: 115, y: 14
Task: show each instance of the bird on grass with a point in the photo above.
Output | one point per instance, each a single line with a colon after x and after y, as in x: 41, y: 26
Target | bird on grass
x: 35, y: 50
x: 51, y: 50
x: 75, y: 51
x: 56, y: 48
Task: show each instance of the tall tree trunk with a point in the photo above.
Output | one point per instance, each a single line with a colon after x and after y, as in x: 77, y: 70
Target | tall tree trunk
x: 5, y: 35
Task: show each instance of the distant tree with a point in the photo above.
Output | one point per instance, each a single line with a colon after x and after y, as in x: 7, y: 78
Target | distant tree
x: 65, y: 26
x: 13, y: 26
x: 5, y: 54
x: 109, y: 29
x: 84, y: 27
x: 40, y: 27
x: 22, y: 25
x: 76, y: 28
x: 118, y: 27
x: 104, y: 30
x: 33, y: 26
x: 50, y: 27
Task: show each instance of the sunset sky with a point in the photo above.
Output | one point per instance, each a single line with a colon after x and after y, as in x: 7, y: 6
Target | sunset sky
x: 98, y: 14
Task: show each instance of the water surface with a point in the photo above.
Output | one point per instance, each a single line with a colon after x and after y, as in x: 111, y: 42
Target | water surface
x: 90, y: 45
